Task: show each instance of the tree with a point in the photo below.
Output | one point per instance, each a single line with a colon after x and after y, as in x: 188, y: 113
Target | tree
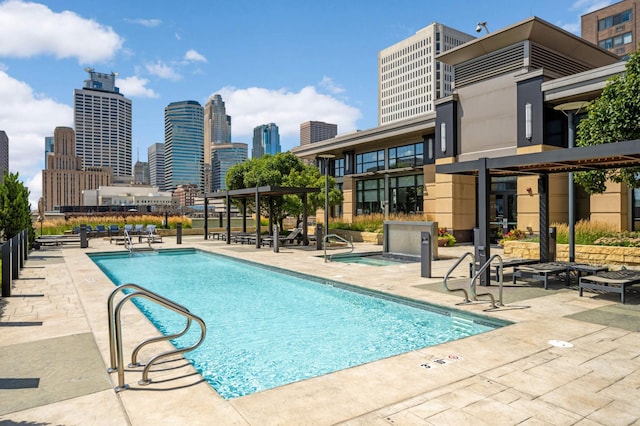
x: 283, y: 169
x: 613, y: 117
x: 15, y: 211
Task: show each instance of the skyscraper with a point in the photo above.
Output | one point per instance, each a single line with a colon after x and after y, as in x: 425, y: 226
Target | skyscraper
x: 155, y: 153
x: 409, y: 77
x: 266, y: 140
x: 315, y: 131
x: 615, y: 27
x: 223, y: 156
x: 64, y: 179
x: 141, y: 172
x: 183, y: 144
x: 102, y: 117
x: 217, y: 124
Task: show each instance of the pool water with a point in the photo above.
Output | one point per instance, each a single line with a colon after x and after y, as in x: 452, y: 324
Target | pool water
x: 267, y: 328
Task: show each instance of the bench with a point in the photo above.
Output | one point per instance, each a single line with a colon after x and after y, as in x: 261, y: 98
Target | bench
x: 611, y: 282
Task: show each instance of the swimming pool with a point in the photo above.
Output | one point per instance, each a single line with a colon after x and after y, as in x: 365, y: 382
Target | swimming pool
x: 268, y: 327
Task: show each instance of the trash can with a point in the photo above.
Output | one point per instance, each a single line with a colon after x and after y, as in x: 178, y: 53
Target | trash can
x: 319, y: 236
x: 83, y: 236
x: 178, y: 233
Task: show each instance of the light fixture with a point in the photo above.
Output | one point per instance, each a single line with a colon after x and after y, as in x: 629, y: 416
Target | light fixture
x: 443, y: 137
x: 527, y: 120
x: 430, y: 148
x: 482, y: 25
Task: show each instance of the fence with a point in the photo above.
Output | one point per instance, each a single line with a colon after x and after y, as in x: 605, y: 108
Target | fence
x: 14, y: 255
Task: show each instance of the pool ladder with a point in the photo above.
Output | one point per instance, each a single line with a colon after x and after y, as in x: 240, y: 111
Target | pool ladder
x: 325, y: 240
x: 471, y: 294
x: 115, y: 332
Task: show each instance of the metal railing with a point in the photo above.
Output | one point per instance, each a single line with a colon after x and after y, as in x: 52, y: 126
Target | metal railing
x: 128, y: 244
x: 325, y: 240
x: 481, y: 270
x: 455, y: 265
x: 115, y: 332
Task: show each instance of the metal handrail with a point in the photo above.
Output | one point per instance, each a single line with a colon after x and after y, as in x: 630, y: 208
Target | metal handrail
x: 483, y: 268
x: 128, y: 244
x: 115, y: 332
x: 455, y: 265
x: 325, y: 239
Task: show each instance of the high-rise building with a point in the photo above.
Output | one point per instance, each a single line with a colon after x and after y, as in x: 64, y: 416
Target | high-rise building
x: 48, y: 148
x: 217, y: 124
x: 183, y: 144
x: 64, y: 179
x: 223, y: 156
x: 4, y: 154
x: 217, y: 130
x: 141, y: 173
x: 409, y: 77
x: 266, y: 140
x: 155, y: 154
x: 315, y: 131
x: 102, y: 117
x: 614, y: 27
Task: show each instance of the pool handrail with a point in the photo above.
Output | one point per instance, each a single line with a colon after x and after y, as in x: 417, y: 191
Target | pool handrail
x: 115, y: 331
x: 455, y: 265
x: 481, y: 270
x: 326, y: 239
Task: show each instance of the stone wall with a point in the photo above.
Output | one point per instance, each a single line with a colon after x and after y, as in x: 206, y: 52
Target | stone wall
x: 597, y: 255
x: 358, y: 236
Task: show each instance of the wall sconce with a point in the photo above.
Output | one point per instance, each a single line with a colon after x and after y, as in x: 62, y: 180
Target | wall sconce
x: 430, y: 148
x: 443, y: 137
x: 527, y: 121
x: 529, y: 191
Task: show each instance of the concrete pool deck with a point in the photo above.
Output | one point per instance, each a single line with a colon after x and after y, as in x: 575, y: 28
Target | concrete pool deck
x: 54, y: 353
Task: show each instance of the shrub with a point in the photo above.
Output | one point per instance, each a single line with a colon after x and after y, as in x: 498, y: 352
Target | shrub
x: 374, y: 222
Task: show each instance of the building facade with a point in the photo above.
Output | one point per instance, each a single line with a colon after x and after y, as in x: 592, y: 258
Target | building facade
x: 102, y: 121
x: 509, y: 89
x: 185, y: 195
x: 4, y: 154
x: 266, y: 140
x: 315, y: 131
x: 410, y: 79
x: 143, y: 198
x: 155, y: 154
x: 183, y: 144
x: 224, y: 156
x: 615, y: 27
x: 64, y: 179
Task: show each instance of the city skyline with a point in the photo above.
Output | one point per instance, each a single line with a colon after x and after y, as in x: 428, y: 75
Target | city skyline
x: 306, y: 72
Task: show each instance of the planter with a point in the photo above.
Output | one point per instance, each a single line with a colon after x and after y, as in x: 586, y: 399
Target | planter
x: 442, y: 242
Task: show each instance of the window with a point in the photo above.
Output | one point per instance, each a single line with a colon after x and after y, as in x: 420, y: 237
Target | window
x: 370, y: 196
x: 338, y: 165
x: 406, y: 156
x: 370, y: 161
x: 406, y: 194
x: 618, y: 19
x: 616, y: 41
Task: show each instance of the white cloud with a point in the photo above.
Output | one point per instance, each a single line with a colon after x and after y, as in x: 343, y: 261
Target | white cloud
x: 149, y: 23
x: 162, y: 70
x: 193, y: 56
x: 28, y: 117
x: 586, y: 6
x: 134, y: 86
x: 254, y: 106
x: 30, y: 29
x: 328, y: 84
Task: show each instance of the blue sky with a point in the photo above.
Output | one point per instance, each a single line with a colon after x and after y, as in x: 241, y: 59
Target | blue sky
x: 282, y: 61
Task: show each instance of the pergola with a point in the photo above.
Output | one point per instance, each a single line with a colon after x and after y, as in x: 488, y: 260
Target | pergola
x: 257, y: 193
x: 606, y: 156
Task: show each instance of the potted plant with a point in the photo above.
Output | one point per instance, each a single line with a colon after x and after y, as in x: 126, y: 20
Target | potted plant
x: 445, y: 239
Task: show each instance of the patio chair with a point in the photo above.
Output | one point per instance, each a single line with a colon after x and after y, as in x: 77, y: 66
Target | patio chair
x: 138, y: 229
x: 114, y: 230
x: 101, y: 231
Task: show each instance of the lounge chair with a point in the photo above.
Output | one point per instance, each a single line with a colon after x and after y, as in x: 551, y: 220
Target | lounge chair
x: 138, y: 229
x: 101, y: 231
x: 542, y: 271
x: 293, y: 236
x: 114, y: 230
x: 612, y: 281
x: 128, y: 229
x: 151, y: 235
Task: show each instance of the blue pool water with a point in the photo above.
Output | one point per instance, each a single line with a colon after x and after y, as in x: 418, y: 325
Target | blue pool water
x: 267, y: 328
